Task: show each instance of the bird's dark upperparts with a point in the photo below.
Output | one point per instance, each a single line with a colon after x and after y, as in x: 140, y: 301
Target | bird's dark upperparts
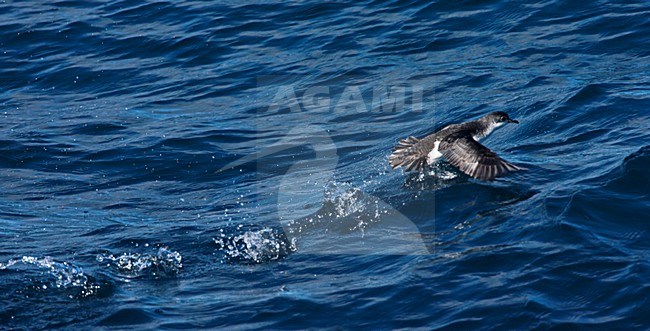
x: 458, y: 144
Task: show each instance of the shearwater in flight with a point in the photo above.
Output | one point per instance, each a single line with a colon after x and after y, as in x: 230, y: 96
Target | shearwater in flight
x: 458, y: 144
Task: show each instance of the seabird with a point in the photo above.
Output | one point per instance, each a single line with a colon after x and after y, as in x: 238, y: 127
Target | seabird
x: 458, y: 144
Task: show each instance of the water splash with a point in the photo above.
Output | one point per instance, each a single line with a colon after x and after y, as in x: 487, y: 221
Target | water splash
x: 255, y: 246
x: 344, y: 202
x: 61, y: 275
x: 161, y: 264
x: 435, y: 177
x: 345, y: 209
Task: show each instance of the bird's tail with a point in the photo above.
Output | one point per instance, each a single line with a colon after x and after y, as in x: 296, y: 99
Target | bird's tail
x: 407, y: 155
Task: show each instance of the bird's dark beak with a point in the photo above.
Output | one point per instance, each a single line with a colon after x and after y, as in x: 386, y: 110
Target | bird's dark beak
x: 513, y: 121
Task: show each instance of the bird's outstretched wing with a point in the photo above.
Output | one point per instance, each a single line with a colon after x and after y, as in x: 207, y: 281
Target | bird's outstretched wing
x: 411, y: 153
x: 474, y: 159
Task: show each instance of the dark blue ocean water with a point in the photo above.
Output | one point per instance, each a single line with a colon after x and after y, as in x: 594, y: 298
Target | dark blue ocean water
x: 125, y: 201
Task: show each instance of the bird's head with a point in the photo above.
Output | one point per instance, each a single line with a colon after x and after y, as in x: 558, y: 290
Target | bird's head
x: 499, y: 118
